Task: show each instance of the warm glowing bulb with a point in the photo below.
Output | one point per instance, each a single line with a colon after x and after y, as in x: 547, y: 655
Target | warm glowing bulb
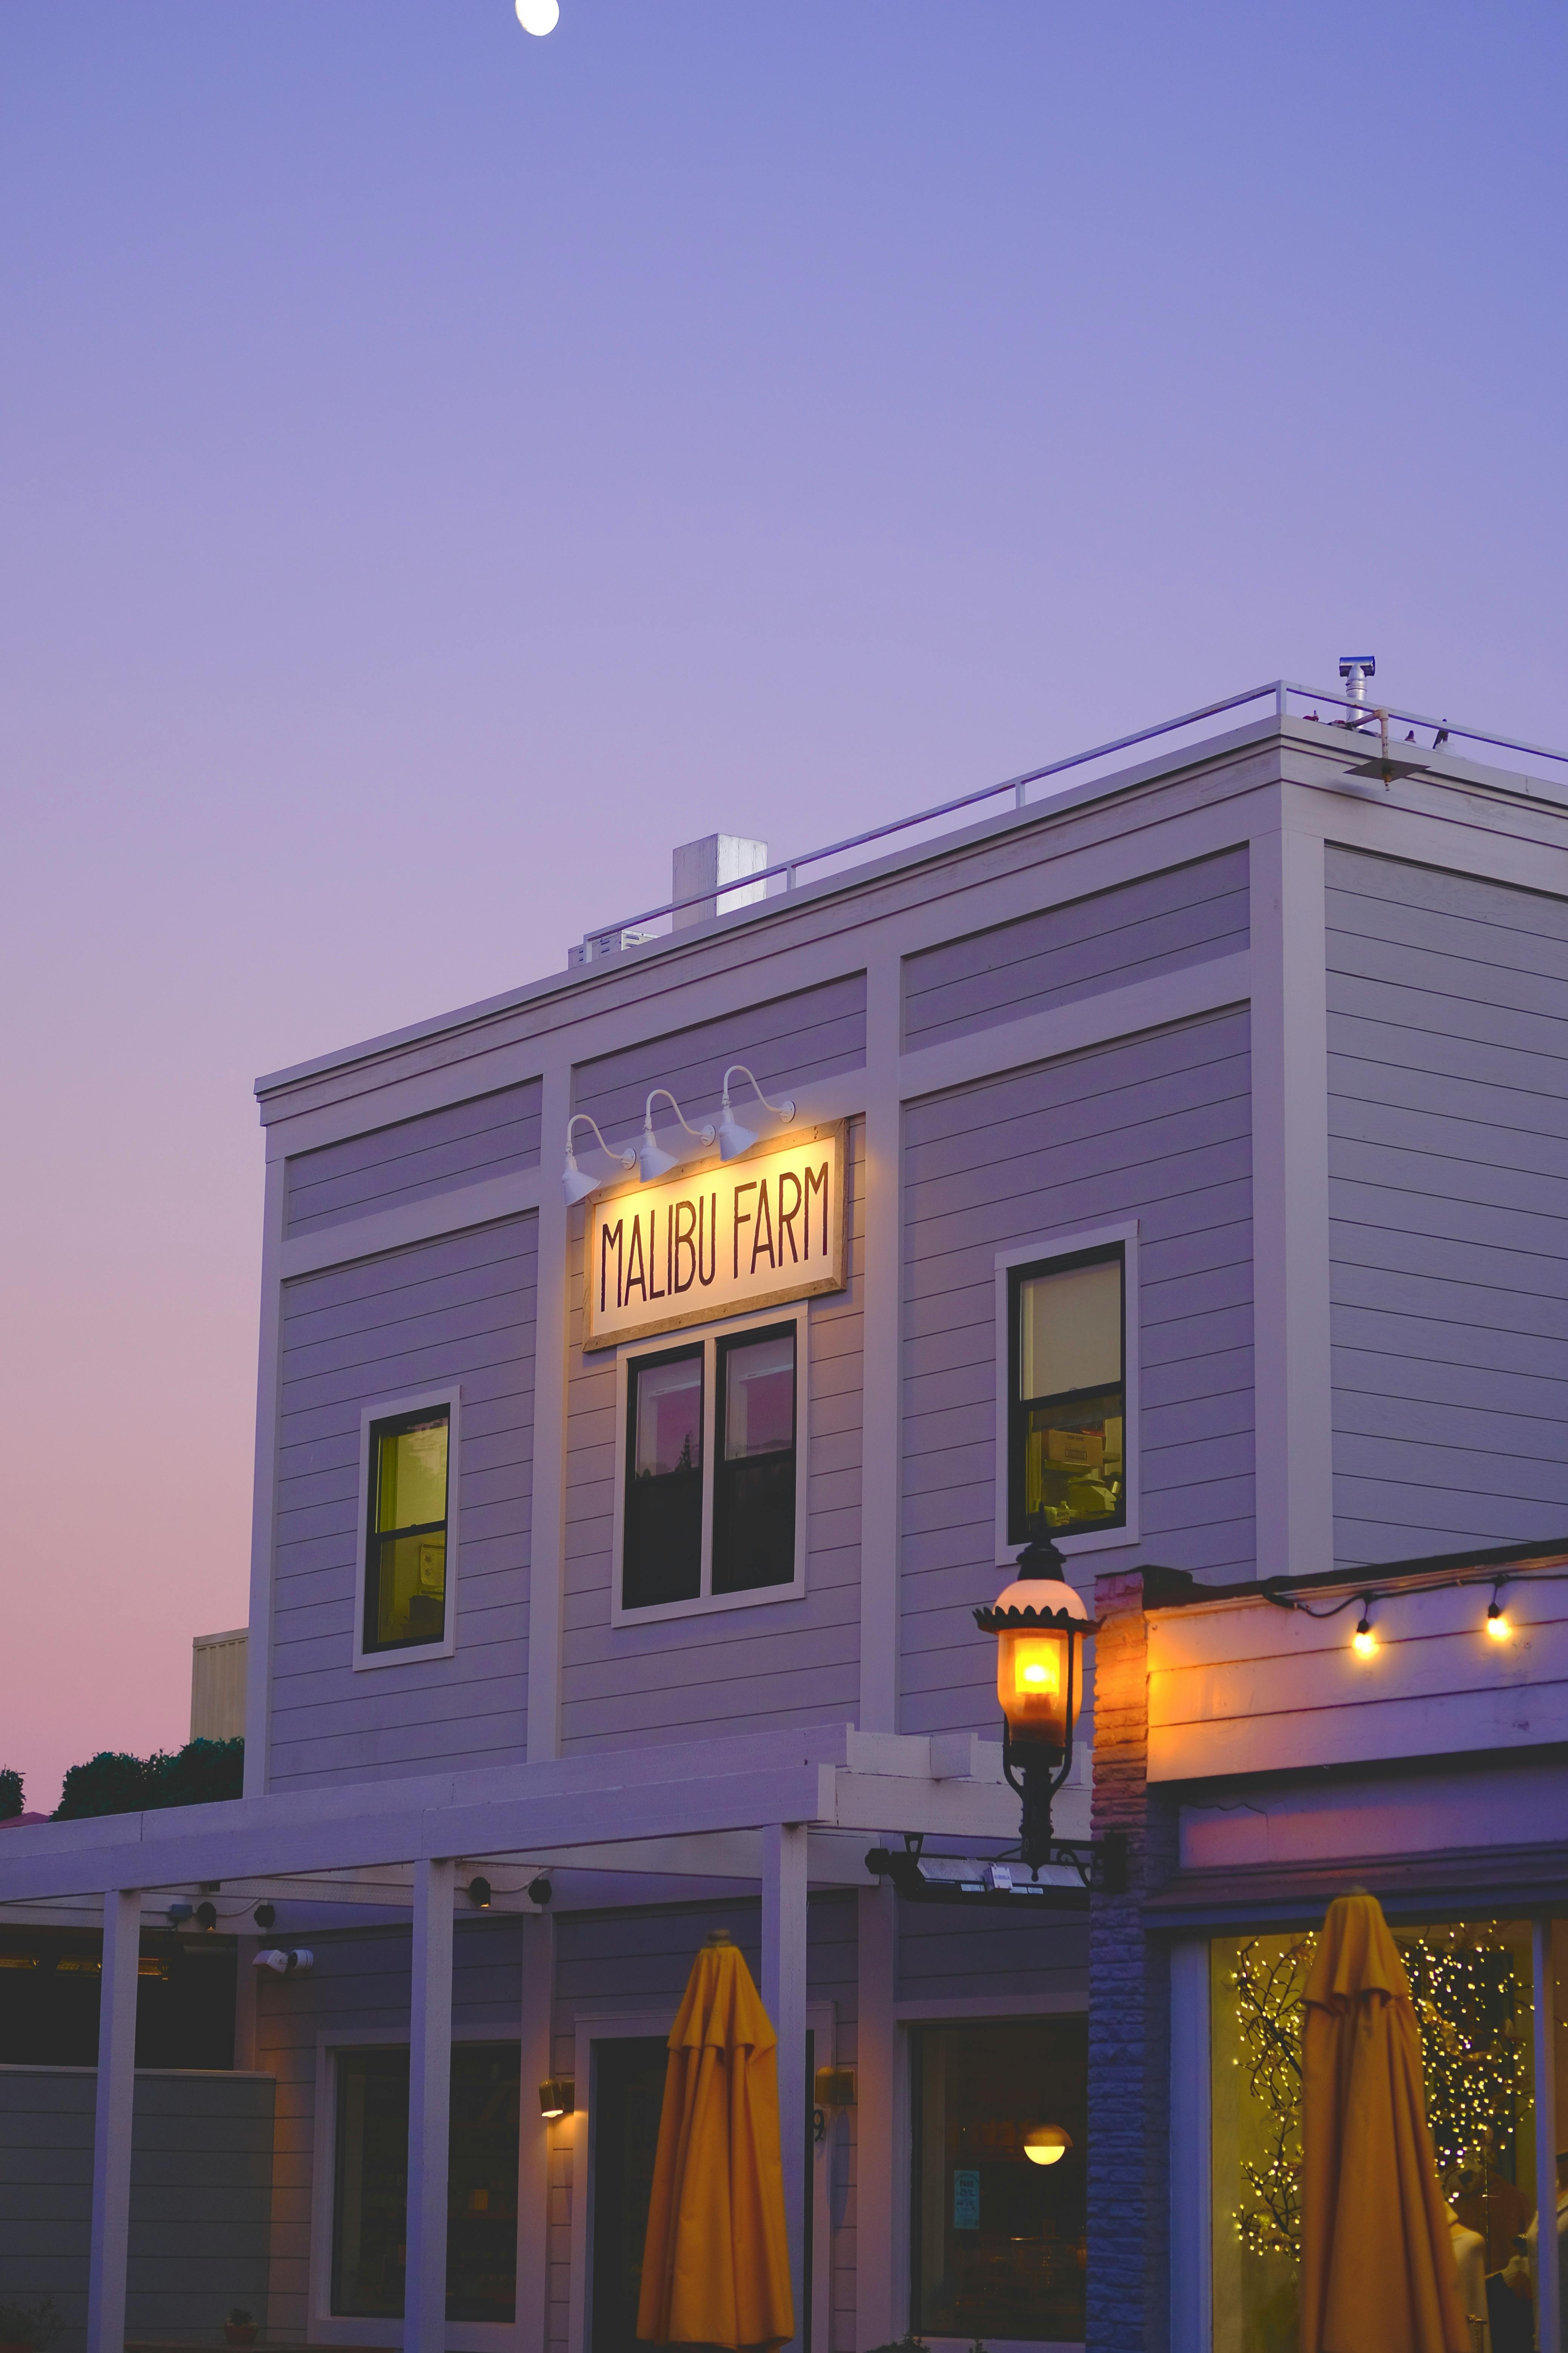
x: 538, y: 16
x: 1046, y: 2145
x: 1036, y: 1674
x: 1034, y: 1666
x: 1363, y: 1642
x: 1498, y: 1626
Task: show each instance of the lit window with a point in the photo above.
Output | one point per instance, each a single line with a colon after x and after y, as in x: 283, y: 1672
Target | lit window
x: 405, y: 1557
x: 711, y: 1500
x: 1066, y: 1380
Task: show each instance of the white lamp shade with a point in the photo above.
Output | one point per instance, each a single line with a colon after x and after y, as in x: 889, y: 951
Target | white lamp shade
x: 654, y: 1161
x: 576, y: 1182
x: 733, y: 1139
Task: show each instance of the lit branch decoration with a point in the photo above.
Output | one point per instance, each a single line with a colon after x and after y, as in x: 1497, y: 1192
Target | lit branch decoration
x: 1473, y: 2022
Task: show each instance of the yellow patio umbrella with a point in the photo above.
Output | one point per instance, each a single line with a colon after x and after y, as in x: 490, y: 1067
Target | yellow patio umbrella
x: 1378, y: 2273
x: 716, y: 2259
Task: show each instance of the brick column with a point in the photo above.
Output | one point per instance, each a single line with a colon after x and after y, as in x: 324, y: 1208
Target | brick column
x: 1128, y: 2001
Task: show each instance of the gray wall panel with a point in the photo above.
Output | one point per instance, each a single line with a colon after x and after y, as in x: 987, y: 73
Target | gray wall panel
x: 1162, y: 923
x: 458, y: 1309
x: 201, y: 2196
x: 1157, y: 1127
x: 488, y: 1135
x: 1448, y: 1195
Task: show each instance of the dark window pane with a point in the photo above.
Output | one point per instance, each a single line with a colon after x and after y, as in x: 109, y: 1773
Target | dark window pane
x: 662, y: 1547
x: 369, y: 2219
x: 999, y: 2243
x: 406, y: 1561
x: 628, y: 2093
x: 754, y: 1481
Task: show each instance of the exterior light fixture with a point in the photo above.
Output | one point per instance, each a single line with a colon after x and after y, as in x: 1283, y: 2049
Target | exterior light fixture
x: 576, y: 1182
x: 206, y: 1916
x: 179, y: 1913
x: 539, y: 1890
x: 652, y: 1160
x: 1046, y: 2143
x: 557, y: 2097
x: 734, y: 1139
x: 265, y: 1915
x: 1363, y: 1642
x: 1497, y: 1625
x: 480, y: 1895
x: 1039, y: 1623
x: 833, y: 2087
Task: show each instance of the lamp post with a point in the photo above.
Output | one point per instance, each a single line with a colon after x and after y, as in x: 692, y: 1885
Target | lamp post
x: 1039, y: 1623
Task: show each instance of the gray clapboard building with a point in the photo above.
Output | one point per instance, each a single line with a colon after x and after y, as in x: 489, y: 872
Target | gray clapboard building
x: 1163, y: 1156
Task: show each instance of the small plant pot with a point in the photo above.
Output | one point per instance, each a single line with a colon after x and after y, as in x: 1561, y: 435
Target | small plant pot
x: 234, y: 2332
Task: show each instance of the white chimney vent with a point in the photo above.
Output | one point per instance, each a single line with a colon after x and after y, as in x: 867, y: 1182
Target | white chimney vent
x: 699, y: 870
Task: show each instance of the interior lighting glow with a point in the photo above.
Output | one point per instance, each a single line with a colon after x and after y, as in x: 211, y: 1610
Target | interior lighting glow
x: 538, y: 16
x: 1046, y: 2143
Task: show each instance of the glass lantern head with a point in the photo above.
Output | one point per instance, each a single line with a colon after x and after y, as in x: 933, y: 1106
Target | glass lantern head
x: 1039, y: 1623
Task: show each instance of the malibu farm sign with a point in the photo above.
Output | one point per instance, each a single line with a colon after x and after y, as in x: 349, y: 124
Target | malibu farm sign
x: 719, y: 1241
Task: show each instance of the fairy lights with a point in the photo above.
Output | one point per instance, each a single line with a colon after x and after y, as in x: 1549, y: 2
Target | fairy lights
x: 1473, y: 2008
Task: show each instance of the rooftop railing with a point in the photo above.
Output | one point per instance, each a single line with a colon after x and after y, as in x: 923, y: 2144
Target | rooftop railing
x: 1360, y: 716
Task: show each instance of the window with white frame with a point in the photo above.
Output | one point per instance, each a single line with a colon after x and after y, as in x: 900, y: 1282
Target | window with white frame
x: 407, y: 1527
x: 712, y: 1503
x: 1067, y: 1410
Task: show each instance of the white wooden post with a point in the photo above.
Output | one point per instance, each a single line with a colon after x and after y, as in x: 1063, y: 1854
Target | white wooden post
x: 783, y: 1999
x: 109, y: 2243
x: 429, y: 2109
x: 1548, y: 2278
x: 534, y: 2135
x: 880, y: 2312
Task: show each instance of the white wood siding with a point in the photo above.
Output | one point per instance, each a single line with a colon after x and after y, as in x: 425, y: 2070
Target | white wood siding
x: 786, y: 1662
x: 946, y: 1954
x: 812, y: 1034
x: 1448, y: 1193
x: 1157, y: 1127
x: 487, y: 1136
x: 460, y: 1309
x: 1162, y: 923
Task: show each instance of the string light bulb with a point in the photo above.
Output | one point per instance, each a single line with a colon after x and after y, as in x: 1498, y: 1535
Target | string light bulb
x: 1498, y: 1626
x: 1363, y: 1642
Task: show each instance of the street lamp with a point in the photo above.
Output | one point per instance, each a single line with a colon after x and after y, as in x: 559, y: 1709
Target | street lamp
x: 1039, y: 1623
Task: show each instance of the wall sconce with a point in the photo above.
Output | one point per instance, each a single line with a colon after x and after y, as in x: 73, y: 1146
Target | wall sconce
x: 480, y: 1895
x: 1046, y: 2145
x: 576, y: 1182
x: 834, y: 2087
x: 652, y: 1160
x: 539, y: 1890
x: 734, y: 1139
x: 557, y: 2097
x: 265, y: 1915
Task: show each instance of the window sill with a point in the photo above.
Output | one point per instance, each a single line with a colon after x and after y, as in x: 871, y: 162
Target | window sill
x: 409, y: 1655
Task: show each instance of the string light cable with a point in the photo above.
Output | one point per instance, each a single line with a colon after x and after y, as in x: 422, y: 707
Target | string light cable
x: 1365, y: 1642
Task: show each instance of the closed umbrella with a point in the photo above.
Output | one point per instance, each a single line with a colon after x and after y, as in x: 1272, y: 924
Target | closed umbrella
x: 716, y: 2259
x: 1378, y: 2273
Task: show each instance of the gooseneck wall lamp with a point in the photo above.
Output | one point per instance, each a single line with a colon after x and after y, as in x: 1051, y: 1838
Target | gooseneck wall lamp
x: 652, y: 1159
x: 576, y: 1182
x: 734, y: 1139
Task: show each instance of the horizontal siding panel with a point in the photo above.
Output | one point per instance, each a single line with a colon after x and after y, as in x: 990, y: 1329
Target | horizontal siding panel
x: 812, y: 1034
x: 463, y: 1143
x: 1162, y: 923
x: 1448, y: 1113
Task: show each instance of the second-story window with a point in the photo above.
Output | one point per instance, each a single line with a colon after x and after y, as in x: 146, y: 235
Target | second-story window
x: 710, y: 1498
x: 405, y: 1544
x: 1066, y: 1382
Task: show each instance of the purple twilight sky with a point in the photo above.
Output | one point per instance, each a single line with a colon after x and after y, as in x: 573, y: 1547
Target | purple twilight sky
x: 440, y: 469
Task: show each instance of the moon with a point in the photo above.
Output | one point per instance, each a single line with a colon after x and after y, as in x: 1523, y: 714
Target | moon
x: 538, y: 16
